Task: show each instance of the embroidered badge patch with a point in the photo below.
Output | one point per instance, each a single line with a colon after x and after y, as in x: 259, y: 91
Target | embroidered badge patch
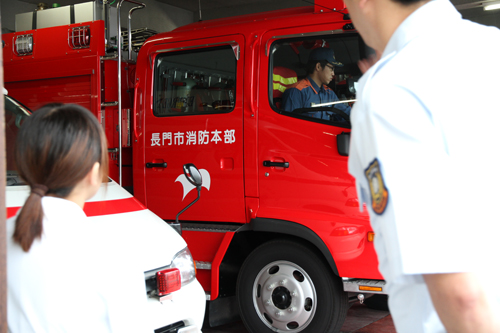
x: 379, y: 193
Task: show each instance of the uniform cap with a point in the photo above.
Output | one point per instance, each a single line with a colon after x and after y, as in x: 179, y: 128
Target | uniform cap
x: 324, y: 53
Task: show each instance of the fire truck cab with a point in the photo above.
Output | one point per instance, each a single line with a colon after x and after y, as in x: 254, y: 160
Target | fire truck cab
x: 278, y: 225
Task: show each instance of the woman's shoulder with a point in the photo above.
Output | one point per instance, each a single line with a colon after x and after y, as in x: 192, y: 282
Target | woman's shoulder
x: 58, y: 209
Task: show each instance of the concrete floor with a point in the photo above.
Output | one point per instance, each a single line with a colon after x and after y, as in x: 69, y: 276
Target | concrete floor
x: 360, y: 319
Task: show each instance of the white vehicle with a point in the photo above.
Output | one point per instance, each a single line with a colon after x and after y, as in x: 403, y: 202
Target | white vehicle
x: 172, y: 307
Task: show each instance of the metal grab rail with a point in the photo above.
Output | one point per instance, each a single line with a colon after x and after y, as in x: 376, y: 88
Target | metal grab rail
x: 130, y: 29
x: 313, y: 105
x: 119, y: 45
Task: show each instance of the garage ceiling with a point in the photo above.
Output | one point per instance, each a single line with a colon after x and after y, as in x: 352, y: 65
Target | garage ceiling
x: 193, y: 5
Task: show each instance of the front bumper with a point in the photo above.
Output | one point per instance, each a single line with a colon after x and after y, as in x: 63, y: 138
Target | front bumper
x: 364, y: 286
x: 185, y: 306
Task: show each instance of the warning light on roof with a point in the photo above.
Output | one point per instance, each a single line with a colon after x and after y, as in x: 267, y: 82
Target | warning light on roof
x: 79, y: 37
x: 492, y: 7
x: 23, y: 45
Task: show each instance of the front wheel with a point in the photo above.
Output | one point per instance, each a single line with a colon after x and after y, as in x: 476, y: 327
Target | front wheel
x: 283, y: 286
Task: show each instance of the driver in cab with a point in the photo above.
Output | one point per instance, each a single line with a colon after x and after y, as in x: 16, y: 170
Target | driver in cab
x: 314, y: 89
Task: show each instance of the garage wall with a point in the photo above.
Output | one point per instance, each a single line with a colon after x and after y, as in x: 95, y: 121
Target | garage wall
x: 491, y: 17
x: 9, y: 9
x: 478, y: 15
x: 163, y: 17
x: 157, y: 16
x: 227, y: 11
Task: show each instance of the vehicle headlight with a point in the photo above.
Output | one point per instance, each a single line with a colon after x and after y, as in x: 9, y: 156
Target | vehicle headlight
x: 183, y: 261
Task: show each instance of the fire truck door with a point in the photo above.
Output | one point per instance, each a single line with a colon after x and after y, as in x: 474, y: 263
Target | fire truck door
x: 302, y: 177
x: 196, y: 118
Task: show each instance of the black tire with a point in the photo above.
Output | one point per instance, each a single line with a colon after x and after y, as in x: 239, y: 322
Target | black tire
x: 283, y: 286
x: 377, y: 302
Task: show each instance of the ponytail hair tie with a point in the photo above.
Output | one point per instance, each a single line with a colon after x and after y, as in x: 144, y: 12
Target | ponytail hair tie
x: 39, y: 189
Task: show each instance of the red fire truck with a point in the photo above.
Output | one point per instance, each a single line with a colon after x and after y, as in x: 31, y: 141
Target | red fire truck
x: 277, y: 233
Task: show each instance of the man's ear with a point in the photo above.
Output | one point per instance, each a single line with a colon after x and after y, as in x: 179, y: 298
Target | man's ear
x: 362, y: 3
x: 318, y: 67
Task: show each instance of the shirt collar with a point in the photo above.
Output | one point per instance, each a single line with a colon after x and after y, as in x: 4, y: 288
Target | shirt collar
x: 314, y: 85
x: 60, y: 207
x: 423, y: 20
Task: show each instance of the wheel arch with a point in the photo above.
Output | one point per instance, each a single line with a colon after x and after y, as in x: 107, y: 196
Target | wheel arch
x: 297, y: 230
x: 257, y: 232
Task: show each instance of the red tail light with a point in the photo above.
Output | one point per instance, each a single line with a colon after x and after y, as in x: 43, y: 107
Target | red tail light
x: 168, y: 281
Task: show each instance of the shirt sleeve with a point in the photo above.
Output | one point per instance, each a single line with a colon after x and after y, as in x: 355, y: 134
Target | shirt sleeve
x: 342, y: 107
x: 345, y: 108
x: 427, y: 222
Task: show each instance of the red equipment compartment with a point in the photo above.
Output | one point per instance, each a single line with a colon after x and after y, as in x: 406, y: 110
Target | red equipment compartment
x: 61, y: 71
x: 75, y: 89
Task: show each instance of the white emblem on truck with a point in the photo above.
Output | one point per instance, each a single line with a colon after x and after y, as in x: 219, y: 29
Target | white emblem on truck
x: 188, y: 187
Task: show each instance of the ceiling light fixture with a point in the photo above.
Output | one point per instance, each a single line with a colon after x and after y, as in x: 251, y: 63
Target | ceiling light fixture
x: 485, y: 4
x: 492, y: 6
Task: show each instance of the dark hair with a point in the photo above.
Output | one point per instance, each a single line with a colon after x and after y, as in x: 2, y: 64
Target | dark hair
x: 311, y: 65
x: 56, y: 148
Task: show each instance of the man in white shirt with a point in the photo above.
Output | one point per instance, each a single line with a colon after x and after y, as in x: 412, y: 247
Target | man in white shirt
x: 424, y: 152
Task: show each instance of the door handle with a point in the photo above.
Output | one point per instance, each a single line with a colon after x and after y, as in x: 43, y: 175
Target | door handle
x: 156, y: 165
x: 276, y: 164
x: 136, y: 109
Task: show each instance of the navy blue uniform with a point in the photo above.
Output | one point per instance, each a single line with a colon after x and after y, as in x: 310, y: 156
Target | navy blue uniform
x: 305, y: 92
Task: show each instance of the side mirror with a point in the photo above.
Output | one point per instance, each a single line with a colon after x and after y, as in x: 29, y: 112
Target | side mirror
x: 192, y: 174
x: 343, y: 143
x: 352, y: 84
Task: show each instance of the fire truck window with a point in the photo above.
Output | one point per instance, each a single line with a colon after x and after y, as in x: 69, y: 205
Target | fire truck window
x: 288, y: 64
x: 195, y: 82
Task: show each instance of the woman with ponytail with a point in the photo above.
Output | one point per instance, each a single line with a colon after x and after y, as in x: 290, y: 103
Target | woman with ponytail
x: 58, y: 276
x: 61, y: 152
